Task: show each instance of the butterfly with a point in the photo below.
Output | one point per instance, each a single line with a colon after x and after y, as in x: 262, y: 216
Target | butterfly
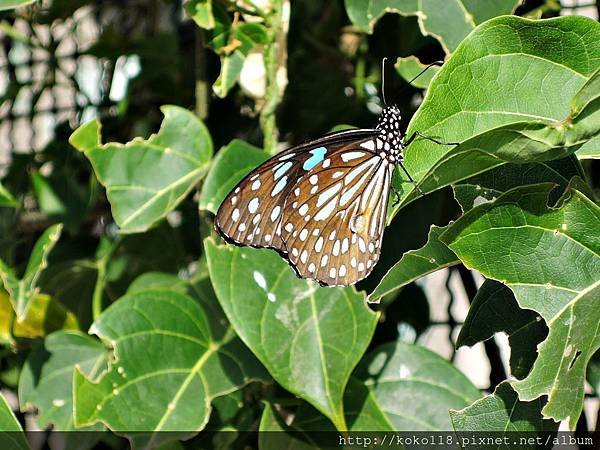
x: 322, y: 205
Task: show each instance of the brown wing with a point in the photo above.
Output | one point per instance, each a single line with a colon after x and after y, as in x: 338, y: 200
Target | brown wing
x: 251, y: 213
x: 334, y: 218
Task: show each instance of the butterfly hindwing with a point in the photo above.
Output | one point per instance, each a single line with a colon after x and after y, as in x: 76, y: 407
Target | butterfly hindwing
x: 334, y: 216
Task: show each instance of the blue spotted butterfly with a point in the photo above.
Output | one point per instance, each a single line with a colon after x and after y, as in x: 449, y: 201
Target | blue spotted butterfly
x: 322, y: 205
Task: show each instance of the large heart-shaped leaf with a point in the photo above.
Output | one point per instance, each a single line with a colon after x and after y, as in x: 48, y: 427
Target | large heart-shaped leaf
x: 549, y: 257
x: 11, y: 435
x: 448, y: 21
x: 163, y: 344
x: 23, y: 290
x: 308, y: 337
x: 502, y: 413
x: 434, y: 255
x: 47, y: 378
x: 232, y: 163
x: 146, y: 179
x: 492, y: 97
x: 494, y: 309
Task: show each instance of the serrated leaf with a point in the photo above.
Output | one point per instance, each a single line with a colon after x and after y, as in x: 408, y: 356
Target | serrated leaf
x: 488, y: 186
x: 308, y: 337
x: 11, y: 435
x: 548, y: 256
x: 448, y: 22
x: 46, y: 381
x: 12, y: 4
x: 166, y: 347
x: 408, y: 68
x: 146, y: 179
x: 434, y: 255
x: 502, y: 413
x: 22, y: 290
x: 491, y: 96
x: 232, y: 163
x: 494, y: 309
x: 6, y: 198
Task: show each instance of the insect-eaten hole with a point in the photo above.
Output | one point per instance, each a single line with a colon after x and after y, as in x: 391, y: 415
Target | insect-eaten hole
x: 572, y: 363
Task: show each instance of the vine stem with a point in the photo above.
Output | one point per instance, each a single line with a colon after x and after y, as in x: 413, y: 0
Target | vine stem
x: 105, y: 253
x: 274, y: 57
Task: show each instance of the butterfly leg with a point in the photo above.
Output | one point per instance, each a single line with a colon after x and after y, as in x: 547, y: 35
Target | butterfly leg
x: 411, y: 180
x: 429, y: 138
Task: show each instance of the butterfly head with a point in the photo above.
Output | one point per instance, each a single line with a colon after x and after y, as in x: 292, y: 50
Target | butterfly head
x: 389, y: 128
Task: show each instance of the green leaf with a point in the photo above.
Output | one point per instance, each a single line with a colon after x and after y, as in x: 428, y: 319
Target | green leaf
x: 272, y: 433
x: 549, y: 257
x: 47, y: 378
x: 201, y: 12
x: 232, y: 163
x: 23, y: 290
x: 243, y: 38
x: 593, y: 373
x: 399, y: 374
x: 491, y: 96
x: 488, y: 186
x: 308, y: 337
x: 183, y: 382
x: 449, y: 21
x: 495, y: 309
x: 12, y: 4
x: 502, y: 412
x: 409, y: 68
x: 11, y: 435
x: 146, y: 179
x: 434, y: 255
x: 590, y: 149
x: 6, y: 198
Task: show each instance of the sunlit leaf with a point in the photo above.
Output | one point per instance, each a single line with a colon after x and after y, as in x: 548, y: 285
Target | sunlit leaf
x: 201, y: 12
x: 11, y: 4
x: 549, y: 257
x: 434, y: 255
x: 23, y: 290
x: 491, y: 96
x: 308, y: 337
x: 12, y: 435
x: 502, y: 413
x: 146, y: 179
x: 231, y: 164
x: 6, y: 198
x: 163, y: 343
x: 47, y: 378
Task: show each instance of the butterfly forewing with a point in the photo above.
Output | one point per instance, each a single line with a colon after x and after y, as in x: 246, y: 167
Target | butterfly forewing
x: 334, y: 216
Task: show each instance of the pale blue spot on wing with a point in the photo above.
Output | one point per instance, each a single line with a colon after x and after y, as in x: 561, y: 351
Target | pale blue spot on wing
x: 279, y: 186
x: 318, y: 154
x: 283, y: 169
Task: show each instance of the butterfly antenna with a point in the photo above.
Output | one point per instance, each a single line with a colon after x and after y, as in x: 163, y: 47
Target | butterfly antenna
x: 435, y: 63
x: 383, y: 61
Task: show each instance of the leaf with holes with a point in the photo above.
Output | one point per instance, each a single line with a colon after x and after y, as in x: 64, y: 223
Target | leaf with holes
x: 11, y: 435
x: 434, y: 255
x: 488, y: 186
x: 46, y: 381
x: 146, y: 179
x: 503, y: 413
x: 494, y: 309
x: 549, y: 257
x: 23, y: 290
x: 232, y: 163
x: 166, y: 346
x: 448, y: 22
x: 492, y: 96
x: 308, y: 337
